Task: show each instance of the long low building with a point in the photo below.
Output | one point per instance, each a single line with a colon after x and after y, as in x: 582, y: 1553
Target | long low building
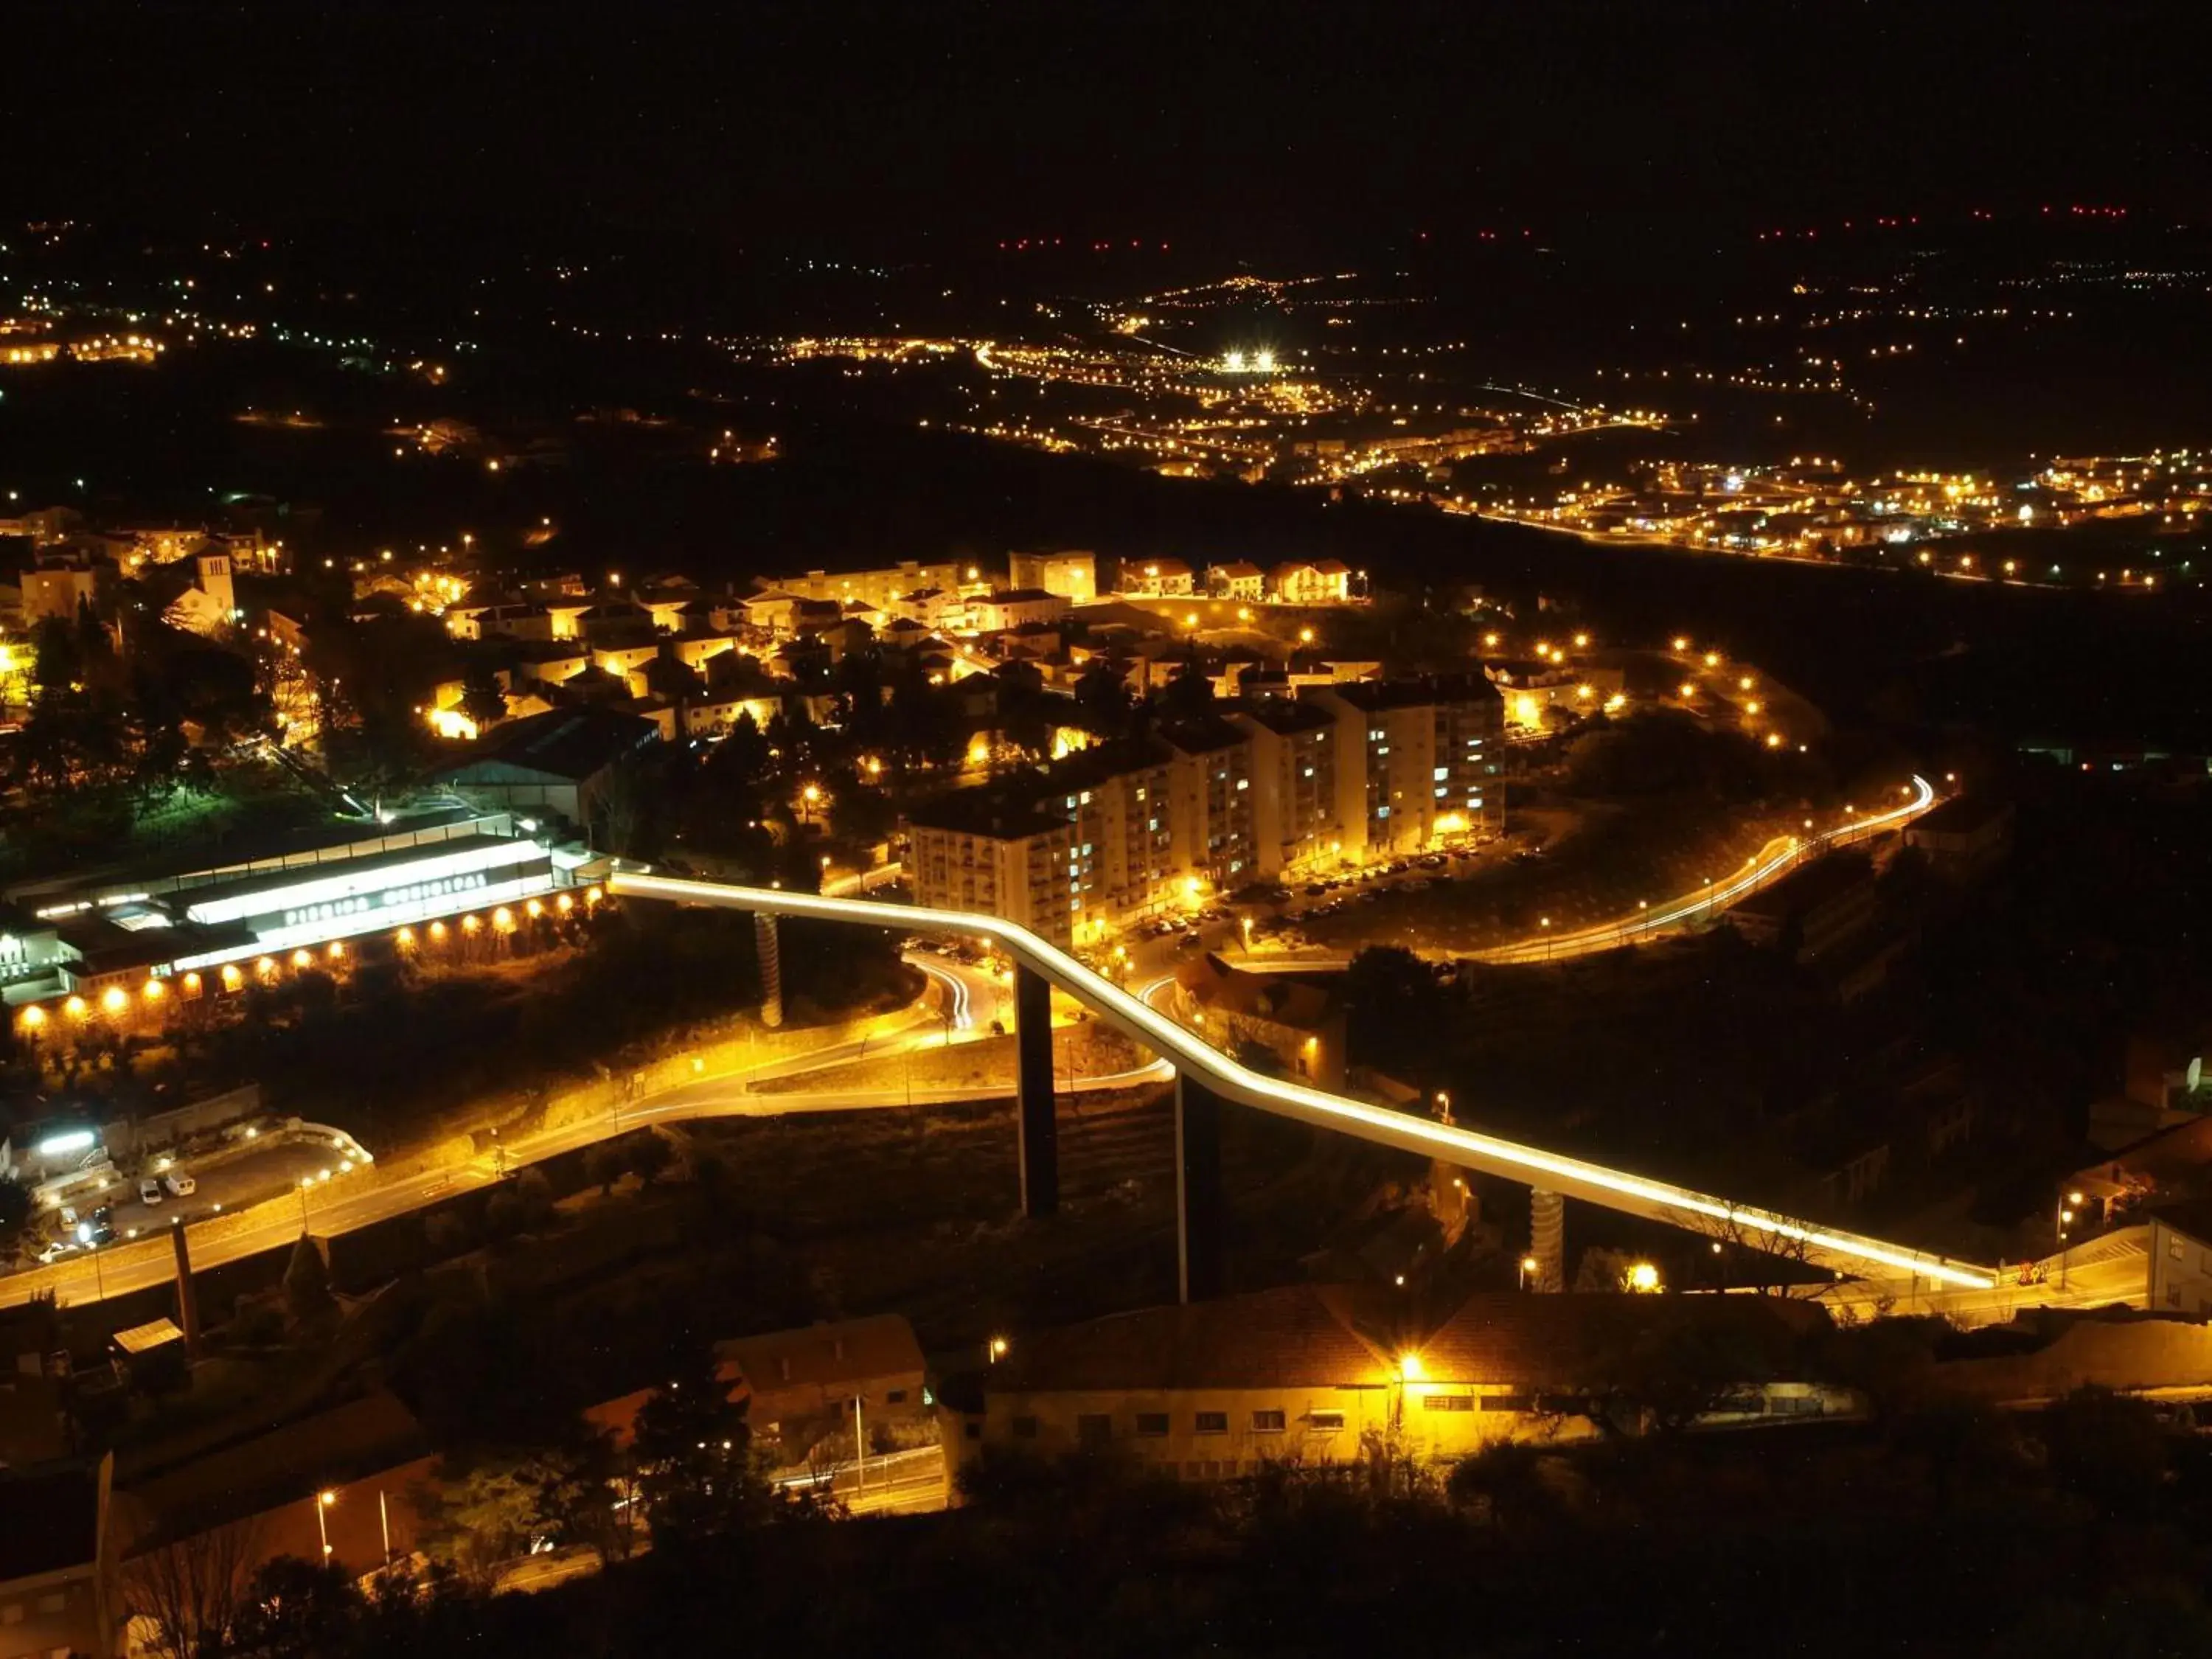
x: 102, y: 940
x: 1318, y: 1374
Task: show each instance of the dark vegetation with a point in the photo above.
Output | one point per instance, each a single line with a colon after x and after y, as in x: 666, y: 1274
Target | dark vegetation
x: 1949, y: 1530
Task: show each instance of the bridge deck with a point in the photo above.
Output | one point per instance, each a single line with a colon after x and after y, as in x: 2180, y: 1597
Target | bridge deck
x: 1615, y: 1189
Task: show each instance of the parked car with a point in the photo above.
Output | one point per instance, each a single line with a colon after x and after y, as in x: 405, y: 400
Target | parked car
x: 149, y: 1191
x: 179, y: 1184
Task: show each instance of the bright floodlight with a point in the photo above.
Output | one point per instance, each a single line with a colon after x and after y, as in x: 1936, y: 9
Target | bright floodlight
x: 1234, y: 361
x: 1264, y: 361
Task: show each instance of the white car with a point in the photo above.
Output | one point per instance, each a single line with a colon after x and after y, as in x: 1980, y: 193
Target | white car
x: 149, y: 1191
x: 179, y: 1184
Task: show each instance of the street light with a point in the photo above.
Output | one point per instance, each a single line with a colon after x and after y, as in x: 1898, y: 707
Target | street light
x: 323, y: 1501
x: 1643, y: 1278
x: 995, y: 1350
x: 1528, y: 1266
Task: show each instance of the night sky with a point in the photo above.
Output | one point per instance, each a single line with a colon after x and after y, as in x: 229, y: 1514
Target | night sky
x: 961, y: 121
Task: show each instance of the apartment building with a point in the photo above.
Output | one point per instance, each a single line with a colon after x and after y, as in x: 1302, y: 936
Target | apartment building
x: 1071, y: 575
x: 1294, y: 805
x: 976, y: 850
x: 1282, y: 787
x: 1211, y: 803
x: 1415, y: 759
x: 1118, y: 796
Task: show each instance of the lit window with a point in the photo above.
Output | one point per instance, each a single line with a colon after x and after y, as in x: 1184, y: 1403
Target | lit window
x: 1441, y: 773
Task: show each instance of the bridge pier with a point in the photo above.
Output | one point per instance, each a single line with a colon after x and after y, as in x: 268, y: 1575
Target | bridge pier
x: 1037, y: 1131
x: 1202, y: 1266
x: 1548, y: 1239
x: 768, y: 952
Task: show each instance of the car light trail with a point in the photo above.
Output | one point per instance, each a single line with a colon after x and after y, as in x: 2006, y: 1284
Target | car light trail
x: 1636, y: 926
x: 1575, y: 1178
x: 956, y: 1013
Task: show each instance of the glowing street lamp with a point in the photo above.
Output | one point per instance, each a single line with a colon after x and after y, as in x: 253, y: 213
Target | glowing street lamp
x: 1528, y: 1266
x: 1643, y: 1278
x: 323, y: 1501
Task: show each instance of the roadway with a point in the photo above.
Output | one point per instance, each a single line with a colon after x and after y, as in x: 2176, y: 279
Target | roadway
x: 1843, y: 1252
x: 961, y: 995
x: 1774, y: 860
x: 365, y: 1196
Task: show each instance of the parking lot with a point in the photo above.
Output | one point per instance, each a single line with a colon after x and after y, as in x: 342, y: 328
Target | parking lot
x: 263, y: 1171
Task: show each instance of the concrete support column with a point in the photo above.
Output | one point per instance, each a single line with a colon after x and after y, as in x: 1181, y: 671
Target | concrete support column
x: 768, y: 948
x: 1202, y: 1249
x: 1548, y: 1239
x: 188, y: 1296
x: 1038, y: 1131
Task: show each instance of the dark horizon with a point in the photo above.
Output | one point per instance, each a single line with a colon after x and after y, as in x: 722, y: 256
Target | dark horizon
x: 1249, y: 129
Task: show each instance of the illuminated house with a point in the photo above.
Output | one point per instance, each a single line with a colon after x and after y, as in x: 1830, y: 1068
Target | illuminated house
x: 1156, y: 578
x: 1238, y: 580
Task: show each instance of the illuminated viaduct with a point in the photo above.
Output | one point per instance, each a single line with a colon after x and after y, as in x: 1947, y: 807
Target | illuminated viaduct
x: 1204, y: 1078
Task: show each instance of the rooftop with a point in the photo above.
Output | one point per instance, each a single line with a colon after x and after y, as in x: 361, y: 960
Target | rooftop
x: 986, y: 813
x: 821, y: 1355
x: 566, y: 743
x: 49, y: 1518
x: 1300, y: 1335
x: 1565, y: 1341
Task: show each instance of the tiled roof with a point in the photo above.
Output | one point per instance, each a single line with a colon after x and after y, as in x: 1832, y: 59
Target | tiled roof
x: 846, y: 1351
x: 1297, y: 1336
x: 1306, y: 1335
x: 1570, y: 1341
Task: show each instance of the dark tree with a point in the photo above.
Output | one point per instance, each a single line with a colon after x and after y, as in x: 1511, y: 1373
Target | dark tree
x: 693, y: 1454
x: 482, y: 699
x: 296, y: 1609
